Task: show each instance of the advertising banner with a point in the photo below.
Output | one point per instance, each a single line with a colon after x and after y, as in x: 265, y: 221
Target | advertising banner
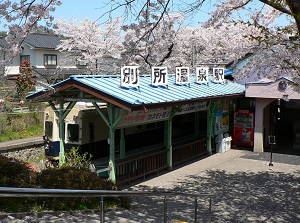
x: 160, y: 114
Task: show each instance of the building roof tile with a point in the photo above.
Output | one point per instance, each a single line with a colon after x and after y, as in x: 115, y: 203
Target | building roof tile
x: 38, y: 40
x: 107, y: 87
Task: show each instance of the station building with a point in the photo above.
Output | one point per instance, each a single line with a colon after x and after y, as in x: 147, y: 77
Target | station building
x: 179, y: 119
x: 276, y: 105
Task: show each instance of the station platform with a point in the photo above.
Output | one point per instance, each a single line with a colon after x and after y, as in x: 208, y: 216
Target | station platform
x: 20, y: 143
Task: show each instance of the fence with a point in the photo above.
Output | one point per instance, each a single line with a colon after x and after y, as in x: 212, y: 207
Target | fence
x: 37, y: 192
x: 186, y: 152
x: 140, y: 167
x: 143, y: 166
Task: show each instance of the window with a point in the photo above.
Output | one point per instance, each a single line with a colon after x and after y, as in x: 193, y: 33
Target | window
x: 49, y: 129
x: 50, y: 60
x: 73, y: 132
x: 24, y: 57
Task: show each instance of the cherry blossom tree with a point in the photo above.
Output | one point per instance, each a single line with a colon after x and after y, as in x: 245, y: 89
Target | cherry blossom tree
x: 157, y: 38
x: 274, y: 52
x: 149, y: 43
x: 168, y: 43
x: 278, y: 48
x: 215, y: 45
x: 260, y: 13
x: 171, y: 44
x: 90, y: 44
x: 22, y: 16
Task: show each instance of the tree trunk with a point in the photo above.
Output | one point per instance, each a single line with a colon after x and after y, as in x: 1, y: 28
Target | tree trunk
x: 294, y: 6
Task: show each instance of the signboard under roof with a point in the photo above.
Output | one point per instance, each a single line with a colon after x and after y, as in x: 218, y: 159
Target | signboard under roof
x: 202, y: 75
x: 159, y: 76
x: 218, y: 74
x: 143, y: 117
x: 130, y: 76
x: 182, y: 75
x: 159, y: 114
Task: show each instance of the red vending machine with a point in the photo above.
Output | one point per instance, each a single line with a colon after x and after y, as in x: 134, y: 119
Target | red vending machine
x: 243, y: 128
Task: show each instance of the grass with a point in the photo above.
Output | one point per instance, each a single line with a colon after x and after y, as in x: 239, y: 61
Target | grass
x: 35, y: 130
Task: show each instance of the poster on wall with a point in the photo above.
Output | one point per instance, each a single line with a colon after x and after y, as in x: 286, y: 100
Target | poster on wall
x: 222, y: 117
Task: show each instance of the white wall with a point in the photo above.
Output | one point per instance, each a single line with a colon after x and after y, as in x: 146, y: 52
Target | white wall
x: 36, y: 59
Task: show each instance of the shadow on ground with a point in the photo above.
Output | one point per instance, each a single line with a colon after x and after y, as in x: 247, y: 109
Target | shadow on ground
x: 237, y: 197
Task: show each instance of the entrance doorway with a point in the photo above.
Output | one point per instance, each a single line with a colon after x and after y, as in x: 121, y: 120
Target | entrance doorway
x: 285, y: 125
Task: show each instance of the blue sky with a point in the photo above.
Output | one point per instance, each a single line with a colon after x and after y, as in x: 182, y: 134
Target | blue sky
x: 91, y: 9
x: 94, y: 9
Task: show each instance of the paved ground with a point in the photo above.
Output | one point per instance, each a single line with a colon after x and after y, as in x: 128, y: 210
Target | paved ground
x: 244, y: 188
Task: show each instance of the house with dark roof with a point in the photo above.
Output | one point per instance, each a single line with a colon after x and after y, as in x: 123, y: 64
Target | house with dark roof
x: 47, y: 62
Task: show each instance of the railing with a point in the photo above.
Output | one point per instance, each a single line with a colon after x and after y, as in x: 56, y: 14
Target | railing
x: 189, y: 151
x: 141, y: 167
x: 37, y: 192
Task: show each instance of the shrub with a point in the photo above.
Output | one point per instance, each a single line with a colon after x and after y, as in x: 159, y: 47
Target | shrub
x: 74, y: 159
x: 25, y: 81
x: 74, y: 178
x: 15, y: 174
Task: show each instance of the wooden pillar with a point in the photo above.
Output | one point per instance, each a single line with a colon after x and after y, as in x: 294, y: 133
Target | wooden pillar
x: 112, y: 121
x: 169, y: 143
x: 61, y: 133
x: 111, y: 163
x: 122, y: 143
x: 168, y: 136
x: 210, y: 120
x: 62, y: 114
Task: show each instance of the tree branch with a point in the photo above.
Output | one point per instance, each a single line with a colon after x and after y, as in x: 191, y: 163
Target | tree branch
x: 275, y: 5
x: 170, y: 50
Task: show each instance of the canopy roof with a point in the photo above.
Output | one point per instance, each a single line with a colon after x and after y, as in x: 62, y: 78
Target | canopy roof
x: 107, y: 89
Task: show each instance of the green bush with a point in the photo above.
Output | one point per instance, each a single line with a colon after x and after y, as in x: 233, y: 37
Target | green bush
x: 74, y: 178
x: 74, y: 159
x: 15, y: 174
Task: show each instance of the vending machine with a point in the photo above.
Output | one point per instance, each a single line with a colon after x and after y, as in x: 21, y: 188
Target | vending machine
x: 243, y: 134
